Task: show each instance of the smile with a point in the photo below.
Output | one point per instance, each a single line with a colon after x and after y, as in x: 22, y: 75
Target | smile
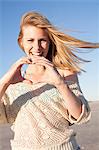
x: 38, y: 54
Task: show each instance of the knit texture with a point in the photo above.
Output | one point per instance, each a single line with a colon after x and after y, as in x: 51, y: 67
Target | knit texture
x: 40, y: 117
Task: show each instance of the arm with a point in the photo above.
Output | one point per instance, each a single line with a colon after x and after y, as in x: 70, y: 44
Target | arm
x: 13, y: 75
x: 72, y: 102
x: 71, y: 81
x: 3, y: 86
x: 73, y: 99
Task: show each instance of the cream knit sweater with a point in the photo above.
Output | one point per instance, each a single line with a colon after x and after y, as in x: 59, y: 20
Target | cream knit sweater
x: 40, y: 118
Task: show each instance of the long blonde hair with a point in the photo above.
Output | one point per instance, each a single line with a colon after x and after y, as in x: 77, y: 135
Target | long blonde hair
x: 62, y: 46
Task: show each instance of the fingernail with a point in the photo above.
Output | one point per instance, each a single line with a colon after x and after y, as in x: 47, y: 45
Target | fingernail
x: 30, y: 59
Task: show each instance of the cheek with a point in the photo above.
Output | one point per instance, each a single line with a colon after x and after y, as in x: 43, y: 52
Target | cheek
x: 45, y: 46
x: 26, y: 48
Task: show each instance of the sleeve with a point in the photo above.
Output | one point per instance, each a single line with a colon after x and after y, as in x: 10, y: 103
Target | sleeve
x: 15, y: 96
x: 3, y: 116
x: 60, y: 105
x: 7, y: 110
x: 86, y: 113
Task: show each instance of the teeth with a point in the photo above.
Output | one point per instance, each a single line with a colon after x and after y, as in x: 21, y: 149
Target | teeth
x: 37, y: 54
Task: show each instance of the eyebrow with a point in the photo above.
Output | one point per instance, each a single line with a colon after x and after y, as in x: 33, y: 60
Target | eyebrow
x: 38, y: 38
x: 32, y: 37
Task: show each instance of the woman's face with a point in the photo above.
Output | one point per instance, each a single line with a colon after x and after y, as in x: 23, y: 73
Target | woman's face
x: 35, y: 41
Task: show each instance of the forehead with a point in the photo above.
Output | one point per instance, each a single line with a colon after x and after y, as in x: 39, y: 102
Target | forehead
x: 30, y: 31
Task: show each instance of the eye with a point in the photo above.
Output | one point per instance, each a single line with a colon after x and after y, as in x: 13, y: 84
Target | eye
x: 43, y: 40
x: 30, y: 40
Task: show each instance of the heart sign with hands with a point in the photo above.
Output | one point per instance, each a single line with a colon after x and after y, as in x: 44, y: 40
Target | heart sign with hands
x: 42, y: 70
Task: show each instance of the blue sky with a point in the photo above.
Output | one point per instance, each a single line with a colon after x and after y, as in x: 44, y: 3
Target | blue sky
x: 79, y: 17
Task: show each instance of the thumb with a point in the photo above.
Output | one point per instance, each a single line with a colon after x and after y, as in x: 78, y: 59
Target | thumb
x: 27, y: 81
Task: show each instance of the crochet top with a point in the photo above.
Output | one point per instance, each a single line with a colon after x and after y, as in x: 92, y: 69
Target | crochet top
x: 39, y: 114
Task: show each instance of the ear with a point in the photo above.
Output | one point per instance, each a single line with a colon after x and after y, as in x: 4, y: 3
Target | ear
x: 20, y: 42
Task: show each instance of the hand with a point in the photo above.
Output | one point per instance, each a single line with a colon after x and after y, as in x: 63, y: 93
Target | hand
x: 14, y: 74
x: 47, y: 73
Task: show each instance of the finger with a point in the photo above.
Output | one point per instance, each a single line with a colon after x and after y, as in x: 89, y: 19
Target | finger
x: 28, y: 77
x: 27, y: 81
x: 44, y: 61
x: 23, y: 60
x: 26, y: 60
x: 45, y: 64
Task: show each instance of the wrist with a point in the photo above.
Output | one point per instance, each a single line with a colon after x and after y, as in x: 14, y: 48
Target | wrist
x: 59, y: 83
x: 4, y: 83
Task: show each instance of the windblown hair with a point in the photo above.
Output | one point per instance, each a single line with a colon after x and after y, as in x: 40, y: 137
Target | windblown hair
x: 62, y: 46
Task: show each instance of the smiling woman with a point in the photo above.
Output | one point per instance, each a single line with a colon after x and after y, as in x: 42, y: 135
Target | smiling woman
x: 35, y: 41
x: 48, y: 99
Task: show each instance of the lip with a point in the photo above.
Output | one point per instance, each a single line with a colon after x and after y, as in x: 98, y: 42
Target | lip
x: 38, y: 54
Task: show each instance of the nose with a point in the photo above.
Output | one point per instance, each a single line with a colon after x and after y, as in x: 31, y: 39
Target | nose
x: 36, y: 46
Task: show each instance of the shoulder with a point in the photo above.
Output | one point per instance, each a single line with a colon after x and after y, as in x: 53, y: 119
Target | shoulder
x: 68, y: 75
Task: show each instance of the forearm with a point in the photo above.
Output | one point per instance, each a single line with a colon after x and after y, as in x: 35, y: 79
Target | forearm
x: 72, y: 102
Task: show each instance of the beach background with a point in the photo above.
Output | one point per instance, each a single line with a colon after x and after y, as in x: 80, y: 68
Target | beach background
x: 79, y: 18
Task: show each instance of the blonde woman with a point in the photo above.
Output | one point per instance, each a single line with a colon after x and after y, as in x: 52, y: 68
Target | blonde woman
x: 44, y: 102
